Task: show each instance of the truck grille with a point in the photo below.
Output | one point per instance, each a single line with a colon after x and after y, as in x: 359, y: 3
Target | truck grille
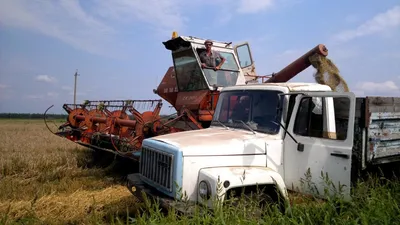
x: 156, y: 166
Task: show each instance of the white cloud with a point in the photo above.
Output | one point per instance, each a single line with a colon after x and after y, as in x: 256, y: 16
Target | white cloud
x: 3, y: 86
x: 372, y: 87
x: 254, y: 6
x: 93, y: 30
x: 380, y: 23
x: 64, y: 20
x: 45, y: 78
x: 100, y: 27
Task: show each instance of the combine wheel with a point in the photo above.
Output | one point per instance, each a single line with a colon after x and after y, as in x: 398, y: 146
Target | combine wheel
x: 74, y: 117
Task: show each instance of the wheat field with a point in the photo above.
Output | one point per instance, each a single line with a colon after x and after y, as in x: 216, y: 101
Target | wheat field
x: 45, y: 179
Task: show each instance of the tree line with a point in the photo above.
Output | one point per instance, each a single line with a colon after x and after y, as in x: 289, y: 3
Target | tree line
x: 31, y: 116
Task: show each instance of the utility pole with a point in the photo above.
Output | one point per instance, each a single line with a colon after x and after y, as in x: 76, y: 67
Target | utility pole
x: 76, y: 76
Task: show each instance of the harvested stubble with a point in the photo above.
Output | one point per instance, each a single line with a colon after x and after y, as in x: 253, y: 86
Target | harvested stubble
x: 44, y: 178
x: 72, y: 207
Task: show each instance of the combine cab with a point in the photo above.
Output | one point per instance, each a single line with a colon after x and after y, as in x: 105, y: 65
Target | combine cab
x: 118, y: 126
x: 193, y: 90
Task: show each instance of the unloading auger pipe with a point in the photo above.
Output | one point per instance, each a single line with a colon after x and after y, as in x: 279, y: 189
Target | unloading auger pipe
x: 297, y: 66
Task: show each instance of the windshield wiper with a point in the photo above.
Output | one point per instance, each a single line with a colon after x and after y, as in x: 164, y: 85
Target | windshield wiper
x: 245, y: 125
x: 222, y: 124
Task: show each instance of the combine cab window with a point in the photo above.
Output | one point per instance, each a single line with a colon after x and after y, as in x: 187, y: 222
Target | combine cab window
x: 245, y: 59
x: 188, y: 72
x: 227, y: 75
x: 230, y: 62
x: 257, y: 109
x: 221, y: 78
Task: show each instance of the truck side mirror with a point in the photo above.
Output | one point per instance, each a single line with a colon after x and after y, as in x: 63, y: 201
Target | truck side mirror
x: 300, y: 147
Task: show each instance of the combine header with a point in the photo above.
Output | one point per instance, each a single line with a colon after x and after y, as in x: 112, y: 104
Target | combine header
x: 113, y: 124
x: 118, y: 126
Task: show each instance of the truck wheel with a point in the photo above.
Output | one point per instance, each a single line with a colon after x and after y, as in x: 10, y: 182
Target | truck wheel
x: 257, y: 202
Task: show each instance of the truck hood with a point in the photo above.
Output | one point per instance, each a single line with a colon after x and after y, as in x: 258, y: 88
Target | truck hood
x: 217, y: 141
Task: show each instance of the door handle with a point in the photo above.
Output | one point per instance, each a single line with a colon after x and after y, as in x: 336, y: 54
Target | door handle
x: 341, y: 155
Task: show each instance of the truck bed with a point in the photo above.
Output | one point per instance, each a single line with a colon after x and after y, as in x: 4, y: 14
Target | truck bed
x: 377, y: 130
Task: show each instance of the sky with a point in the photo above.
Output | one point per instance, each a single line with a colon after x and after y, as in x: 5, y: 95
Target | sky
x: 116, y: 46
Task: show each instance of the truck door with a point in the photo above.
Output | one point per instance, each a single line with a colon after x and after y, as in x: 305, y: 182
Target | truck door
x: 246, y: 62
x: 322, y: 124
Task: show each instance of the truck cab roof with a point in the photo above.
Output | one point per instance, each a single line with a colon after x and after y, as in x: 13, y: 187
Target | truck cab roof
x: 292, y: 86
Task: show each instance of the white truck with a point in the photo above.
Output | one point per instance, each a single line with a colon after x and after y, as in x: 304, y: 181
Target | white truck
x: 270, y: 135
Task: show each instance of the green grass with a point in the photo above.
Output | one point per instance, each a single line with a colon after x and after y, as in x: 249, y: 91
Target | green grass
x: 376, y: 201
x: 48, y: 180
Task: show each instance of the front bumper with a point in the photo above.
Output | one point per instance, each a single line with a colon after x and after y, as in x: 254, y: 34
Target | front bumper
x: 137, y: 187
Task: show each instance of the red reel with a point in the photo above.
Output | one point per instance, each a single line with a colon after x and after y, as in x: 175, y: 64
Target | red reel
x: 76, y: 117
x: 96, y: 120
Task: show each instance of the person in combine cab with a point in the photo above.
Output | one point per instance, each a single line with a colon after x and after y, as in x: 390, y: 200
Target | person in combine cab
x: 209, y: 58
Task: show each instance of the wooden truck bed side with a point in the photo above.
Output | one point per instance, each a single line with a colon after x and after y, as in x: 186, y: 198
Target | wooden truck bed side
x: 376, y: 133
x: 382, y: 125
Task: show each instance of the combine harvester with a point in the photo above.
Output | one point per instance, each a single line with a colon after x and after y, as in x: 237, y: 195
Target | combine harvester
x: 117, y: 126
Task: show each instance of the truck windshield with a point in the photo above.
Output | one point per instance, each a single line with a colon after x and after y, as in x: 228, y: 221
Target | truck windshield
x: 255, y: 108
x: 188, y: 72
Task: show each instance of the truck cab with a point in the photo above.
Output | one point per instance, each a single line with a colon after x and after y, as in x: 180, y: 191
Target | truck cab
x: 271, y: 135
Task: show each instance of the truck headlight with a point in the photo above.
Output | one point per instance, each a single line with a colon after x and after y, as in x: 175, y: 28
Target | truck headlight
x: 204, y: 189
